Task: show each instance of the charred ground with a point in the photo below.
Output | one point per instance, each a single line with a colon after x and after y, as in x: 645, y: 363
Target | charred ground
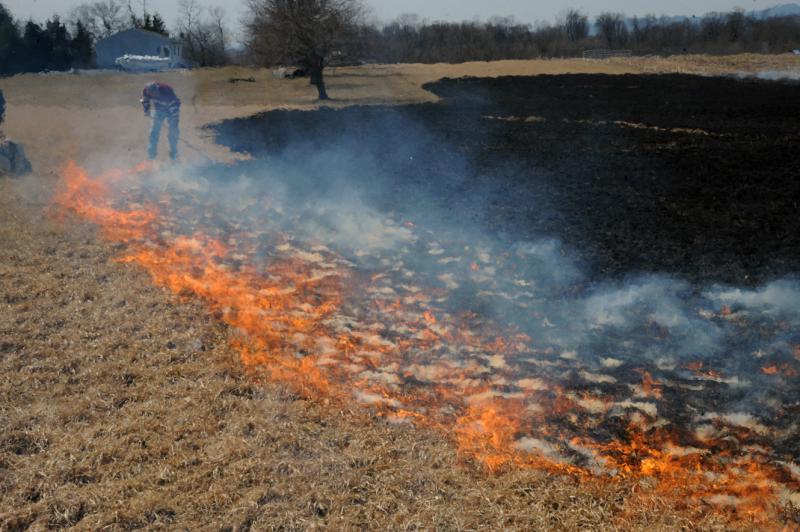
x: 687, y: 175
x: 125, y: 407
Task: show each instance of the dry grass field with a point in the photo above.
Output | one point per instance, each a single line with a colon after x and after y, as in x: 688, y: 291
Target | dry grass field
x: 124, y: 407
x: 87, y: 116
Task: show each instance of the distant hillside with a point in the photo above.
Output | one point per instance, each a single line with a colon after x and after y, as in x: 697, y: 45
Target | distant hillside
x: 782, y: 10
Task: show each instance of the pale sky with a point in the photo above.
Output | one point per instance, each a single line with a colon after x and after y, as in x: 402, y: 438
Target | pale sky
x: 526, y: 11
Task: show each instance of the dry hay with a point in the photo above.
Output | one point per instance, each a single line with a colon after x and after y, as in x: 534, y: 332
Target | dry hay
x: 122, y: 407
x: 710, y: 65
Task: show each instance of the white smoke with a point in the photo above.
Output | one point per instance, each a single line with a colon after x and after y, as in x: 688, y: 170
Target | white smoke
x: 764, y: 75
x: 779, y: 297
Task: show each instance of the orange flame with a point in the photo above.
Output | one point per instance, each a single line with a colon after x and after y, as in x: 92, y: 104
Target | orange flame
x: 286, y: 314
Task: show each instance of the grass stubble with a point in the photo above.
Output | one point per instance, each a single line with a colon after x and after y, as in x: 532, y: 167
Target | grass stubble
x: 123, y: 406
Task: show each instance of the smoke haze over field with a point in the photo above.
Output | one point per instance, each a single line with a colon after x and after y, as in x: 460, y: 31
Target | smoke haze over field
x: 355, y: 256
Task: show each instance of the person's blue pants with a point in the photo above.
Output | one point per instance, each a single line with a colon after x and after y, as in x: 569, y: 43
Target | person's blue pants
x: 173, y: 119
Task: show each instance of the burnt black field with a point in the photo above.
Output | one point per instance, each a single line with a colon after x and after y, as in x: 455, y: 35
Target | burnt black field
x: 685, y: 175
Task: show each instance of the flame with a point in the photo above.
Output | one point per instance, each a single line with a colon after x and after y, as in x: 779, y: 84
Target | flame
x: 294, y: 320
x: 650, y: 387
x: 785, y: 369
x: 90, y: 198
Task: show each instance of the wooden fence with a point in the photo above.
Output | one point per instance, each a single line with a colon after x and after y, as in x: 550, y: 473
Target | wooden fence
x: 605, y: 54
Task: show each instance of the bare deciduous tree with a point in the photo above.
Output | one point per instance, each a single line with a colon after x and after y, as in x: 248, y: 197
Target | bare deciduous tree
x: 712, y: 26
x: 613, y: 29
x: 204, y: 34
x: 576, y: 25
x: 736, y: 22
x: 304, y: 32
x: 101, y: 18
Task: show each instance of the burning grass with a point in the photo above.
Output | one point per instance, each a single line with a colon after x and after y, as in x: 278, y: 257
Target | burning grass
x: 259, y: 392
x: 294, y: 320
x: 124, y: 407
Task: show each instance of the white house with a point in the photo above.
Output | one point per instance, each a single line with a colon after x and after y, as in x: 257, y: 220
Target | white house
x: 136, y: 42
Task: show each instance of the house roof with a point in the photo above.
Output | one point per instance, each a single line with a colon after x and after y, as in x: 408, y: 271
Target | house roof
x: 142, y: 32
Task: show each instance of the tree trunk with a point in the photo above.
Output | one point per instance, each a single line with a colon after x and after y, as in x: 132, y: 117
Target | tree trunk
x: 317, y: 79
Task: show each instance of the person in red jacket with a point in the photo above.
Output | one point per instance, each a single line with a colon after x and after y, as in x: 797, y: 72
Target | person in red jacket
x: 162, y: 98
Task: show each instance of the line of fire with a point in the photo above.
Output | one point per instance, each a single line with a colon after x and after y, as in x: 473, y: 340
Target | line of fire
x: 319, y: 270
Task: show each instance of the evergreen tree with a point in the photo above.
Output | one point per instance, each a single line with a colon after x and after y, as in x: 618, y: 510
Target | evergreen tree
x: 152, y: 23
x: 60, y: 57
x: 38, y: 48
x: 81, y: 45
x: 157, y: 25
x: 10, y: 43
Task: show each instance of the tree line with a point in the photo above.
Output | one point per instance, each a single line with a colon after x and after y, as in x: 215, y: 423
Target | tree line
x: 60, y: 45
x: 316, y: 33
x: 408, y: 39
x: 202, y: 30
x: 33, y: 47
